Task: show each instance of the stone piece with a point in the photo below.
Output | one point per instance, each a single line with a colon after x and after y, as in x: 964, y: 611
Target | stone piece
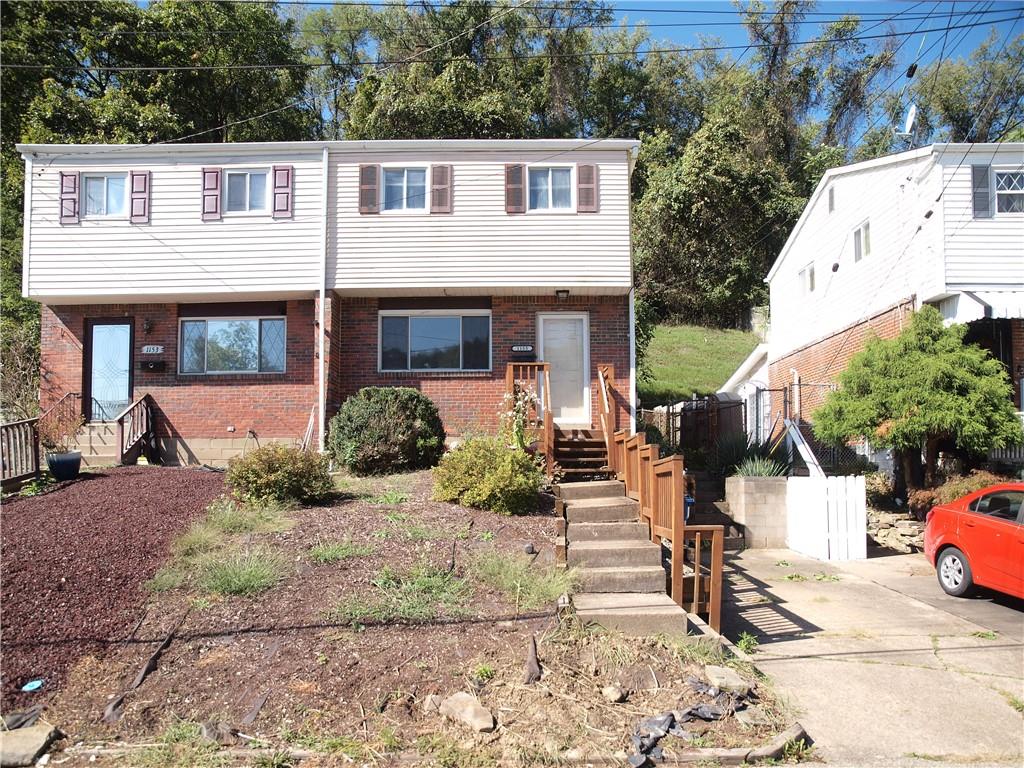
x: 464, y: 708
x: 432, y: 703
x: 613, y: 693
x: 726, y: 679
x: 23, y: 746
x: 751, y: 716
x: 220, y: 733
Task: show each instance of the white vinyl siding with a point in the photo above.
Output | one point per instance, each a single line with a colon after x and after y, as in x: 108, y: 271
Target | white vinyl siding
x: 981, y: 253
x: 176, y: 254
x: 479, y: 248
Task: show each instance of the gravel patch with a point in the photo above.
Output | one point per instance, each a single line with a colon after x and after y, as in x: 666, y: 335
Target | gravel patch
x: 74, y: 561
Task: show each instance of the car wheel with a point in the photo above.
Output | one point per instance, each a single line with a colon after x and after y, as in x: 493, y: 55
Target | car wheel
x: 954, y: 572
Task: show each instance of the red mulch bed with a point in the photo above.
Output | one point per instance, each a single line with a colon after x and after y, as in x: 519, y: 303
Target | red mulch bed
x: 74, y: 561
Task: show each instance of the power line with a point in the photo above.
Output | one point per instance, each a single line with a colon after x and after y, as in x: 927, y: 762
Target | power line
x: 503, y: 57
x: 607, y: 25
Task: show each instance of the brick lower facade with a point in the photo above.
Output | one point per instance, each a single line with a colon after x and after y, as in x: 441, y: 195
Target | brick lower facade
x: 820, y: 363
x: 207, y: 417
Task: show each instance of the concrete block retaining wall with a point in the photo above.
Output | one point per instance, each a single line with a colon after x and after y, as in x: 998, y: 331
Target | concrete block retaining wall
x: 759, y: 505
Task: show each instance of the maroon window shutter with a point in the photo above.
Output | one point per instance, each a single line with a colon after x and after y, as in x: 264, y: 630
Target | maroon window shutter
x: 211, y: 194
x: 586, y: 189
x: 69, y: 198
x: 139, y: 197
x: 369, y: 194
x: 440, y: 189
x: 515, y: 192
x: 283, y: 175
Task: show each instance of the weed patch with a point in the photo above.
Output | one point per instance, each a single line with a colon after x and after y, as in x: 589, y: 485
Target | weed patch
x: 164, y: 580
x: 421, y: 594
x: 795, y: 577
x: 528, y: 585
x: 390, y: 497
x: 986, y: 634
x: 181, y: 746
x: 228, y: 516
x: 830, y: 577
x: 747, y: 643
x: 336, y: 551
x: 242, y: 573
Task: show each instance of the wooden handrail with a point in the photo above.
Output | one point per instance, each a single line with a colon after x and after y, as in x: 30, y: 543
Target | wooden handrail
x: 139, y: 420
x: 19, y: 442
x: 536, y: 377
x: 605, y: 375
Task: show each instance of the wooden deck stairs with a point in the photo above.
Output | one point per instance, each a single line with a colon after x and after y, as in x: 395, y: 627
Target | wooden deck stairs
x: 581, y: 454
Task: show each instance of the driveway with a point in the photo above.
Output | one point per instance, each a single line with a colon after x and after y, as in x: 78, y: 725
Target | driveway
x: 880, y: 667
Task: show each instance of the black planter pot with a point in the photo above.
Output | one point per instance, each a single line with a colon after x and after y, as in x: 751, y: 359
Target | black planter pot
x: 64, y: 466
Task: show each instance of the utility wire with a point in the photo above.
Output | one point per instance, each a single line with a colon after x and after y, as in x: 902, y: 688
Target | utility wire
x: 504, y: 57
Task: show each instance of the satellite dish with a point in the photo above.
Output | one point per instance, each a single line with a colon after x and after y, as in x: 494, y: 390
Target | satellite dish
x: 908, y: 126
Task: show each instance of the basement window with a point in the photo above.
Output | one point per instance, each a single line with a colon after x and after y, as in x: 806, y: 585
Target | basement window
x: 232, y: 345
x: 435, y: 340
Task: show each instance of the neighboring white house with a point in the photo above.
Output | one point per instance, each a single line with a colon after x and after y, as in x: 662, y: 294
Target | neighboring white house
x: 940, y: 225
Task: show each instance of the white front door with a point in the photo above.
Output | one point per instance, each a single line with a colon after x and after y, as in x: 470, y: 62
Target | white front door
x: 563, y: 341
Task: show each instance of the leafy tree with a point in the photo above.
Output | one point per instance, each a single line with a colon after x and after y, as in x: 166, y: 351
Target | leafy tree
x: 919, y: 389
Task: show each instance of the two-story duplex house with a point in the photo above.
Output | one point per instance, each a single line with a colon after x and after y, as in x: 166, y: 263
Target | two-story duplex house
x: 248, y: 288
x: 940, y: 225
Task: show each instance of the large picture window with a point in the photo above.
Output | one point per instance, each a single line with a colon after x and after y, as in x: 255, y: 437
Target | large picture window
x: 435, y: 341
x: 232, y: 345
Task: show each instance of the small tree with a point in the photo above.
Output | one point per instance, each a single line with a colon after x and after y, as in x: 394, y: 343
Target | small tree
x: 920, y: 388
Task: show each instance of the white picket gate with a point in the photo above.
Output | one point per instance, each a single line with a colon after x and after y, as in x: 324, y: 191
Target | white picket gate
x: 826, y: 517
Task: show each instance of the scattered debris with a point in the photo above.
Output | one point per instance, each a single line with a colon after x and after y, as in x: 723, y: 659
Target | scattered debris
x: 464, y: 708
x: 533, y: 671
x: 254, y: 710
x: 432, y: 703
x: 33, y: 685
x: 23, y: 746
x: 530, y: 549
x: 219, y: 733
x: 752, y: 716
x: 22, y: 718
x: 115, y: 709
x: 614, y: 694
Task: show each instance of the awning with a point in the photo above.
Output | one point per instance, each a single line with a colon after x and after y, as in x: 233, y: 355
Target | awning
x: 966, y: 306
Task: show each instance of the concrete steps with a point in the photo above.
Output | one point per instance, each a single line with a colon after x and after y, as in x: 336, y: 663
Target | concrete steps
x: 632, y: 613
x: 98, y: 443
x: 622, y: 580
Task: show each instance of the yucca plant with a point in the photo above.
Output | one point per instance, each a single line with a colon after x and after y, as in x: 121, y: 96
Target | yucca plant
x: 760, y: 466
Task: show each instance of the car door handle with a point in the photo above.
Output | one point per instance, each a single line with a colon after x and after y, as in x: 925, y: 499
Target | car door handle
x: 968, y: 524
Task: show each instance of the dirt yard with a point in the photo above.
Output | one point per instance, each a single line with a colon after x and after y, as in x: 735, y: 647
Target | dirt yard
x: 345, y: 620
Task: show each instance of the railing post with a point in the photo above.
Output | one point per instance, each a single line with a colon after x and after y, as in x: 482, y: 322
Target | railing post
x: 35, y: 449
x: 678, y: 532
x: 120, y: 439
x: 715, y: 599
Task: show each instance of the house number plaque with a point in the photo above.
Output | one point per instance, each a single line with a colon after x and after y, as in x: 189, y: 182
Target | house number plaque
x: 153, y: 349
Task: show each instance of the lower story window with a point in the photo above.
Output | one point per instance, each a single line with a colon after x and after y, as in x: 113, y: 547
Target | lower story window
x: 232, y: 345
x: 435, y: 342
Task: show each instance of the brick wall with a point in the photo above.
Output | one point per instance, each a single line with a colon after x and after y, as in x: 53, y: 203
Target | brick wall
x: 272, y: 405
x: 821, y: 362
x: 472, y: 400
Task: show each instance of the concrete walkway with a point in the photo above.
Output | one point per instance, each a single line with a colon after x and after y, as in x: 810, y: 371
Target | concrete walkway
x: 879, y: 677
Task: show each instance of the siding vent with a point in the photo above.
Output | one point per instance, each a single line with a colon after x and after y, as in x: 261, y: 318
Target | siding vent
x: 369, y: 185
x: 140, y: 183
x: 283, y: 175
x: 587, y: 196
x: 440, y: 189
x: 515, y: 193
x: 981, y: 192
x: 69, y: 198
x: 211, y: 194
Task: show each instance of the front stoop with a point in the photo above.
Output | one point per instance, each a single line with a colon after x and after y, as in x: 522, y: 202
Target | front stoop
x: 620, y: 568
x: 98, y: 443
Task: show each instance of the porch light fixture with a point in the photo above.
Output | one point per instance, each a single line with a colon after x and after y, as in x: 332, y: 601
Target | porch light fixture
x: 147, y: 325
x: 562, y: 294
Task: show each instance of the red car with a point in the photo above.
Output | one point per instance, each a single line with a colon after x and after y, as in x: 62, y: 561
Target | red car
x: 979, y: 540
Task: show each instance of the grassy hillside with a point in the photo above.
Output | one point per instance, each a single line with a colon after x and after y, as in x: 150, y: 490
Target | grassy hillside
x: 685, y: 359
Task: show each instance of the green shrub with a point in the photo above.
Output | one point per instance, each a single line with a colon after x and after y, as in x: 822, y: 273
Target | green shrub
x: 733, y: 449
x: 760, y: 466
x: 923, y: 499
x: 483, y: 472
x: 386, y: 429
x: 279, y: 473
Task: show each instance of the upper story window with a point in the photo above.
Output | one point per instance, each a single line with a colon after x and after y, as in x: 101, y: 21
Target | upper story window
x: 550, y: 189
x: 232, y: 345
x: 806, y: 278
x: 862, y: 241
x: 245, y: 191
x: 435, y: 340
x: 1009, y: 191
x: 104, y: 194
x: 831, y: 199
x: 405, y: 189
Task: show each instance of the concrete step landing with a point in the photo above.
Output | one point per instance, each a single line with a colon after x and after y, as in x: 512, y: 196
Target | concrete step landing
x: 578, y: 532
x: 632, y: 613
x: 613, y: 553
x: 639, y: 579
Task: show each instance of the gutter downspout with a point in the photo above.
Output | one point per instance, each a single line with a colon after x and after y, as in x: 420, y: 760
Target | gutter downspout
x: 26, y: 226
x: 321, y: 320
x: 631, y: 157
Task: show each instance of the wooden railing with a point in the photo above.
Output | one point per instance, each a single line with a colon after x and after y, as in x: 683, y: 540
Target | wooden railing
x: 134, y: 428
x: 606, y: 406
x: 19, y: 444
x: 536, y: 378
x: 659, y: 485
x: 19, y: 441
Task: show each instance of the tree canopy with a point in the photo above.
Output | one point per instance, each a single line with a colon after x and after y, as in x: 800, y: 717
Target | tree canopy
x: 919, y: 389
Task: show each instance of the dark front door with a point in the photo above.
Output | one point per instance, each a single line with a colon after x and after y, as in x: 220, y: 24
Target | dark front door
x: 108, y: 373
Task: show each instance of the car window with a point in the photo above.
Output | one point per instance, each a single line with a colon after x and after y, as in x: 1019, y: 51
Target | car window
x: 1004, y: 505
